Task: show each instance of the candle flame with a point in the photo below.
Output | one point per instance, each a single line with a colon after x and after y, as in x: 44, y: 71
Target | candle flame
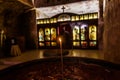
x: 60, y: 39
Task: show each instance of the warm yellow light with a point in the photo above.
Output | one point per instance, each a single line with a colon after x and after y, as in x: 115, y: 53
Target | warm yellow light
x: 60, y: 39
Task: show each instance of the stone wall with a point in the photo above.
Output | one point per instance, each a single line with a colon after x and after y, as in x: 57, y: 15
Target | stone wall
x: 29, y: 29
x: 100, y: 26
x: 112, y: 31
x: 17, y: 21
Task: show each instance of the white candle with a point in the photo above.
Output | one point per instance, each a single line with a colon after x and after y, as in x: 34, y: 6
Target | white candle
x: 61, y: 57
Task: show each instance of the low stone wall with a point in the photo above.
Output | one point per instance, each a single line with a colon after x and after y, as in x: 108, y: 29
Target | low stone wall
x: 74, y: 68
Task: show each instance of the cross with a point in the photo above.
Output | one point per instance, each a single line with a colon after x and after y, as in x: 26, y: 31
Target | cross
x: 63, y: 8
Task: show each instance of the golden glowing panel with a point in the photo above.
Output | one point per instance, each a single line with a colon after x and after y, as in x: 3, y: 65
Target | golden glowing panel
x: 48, y: 21
x: 41, y: 34
x: 47, y: 43
x: 95, y: 15
x: 85, y: 16
x: 83, y: 32
x: 41, y: 44
x: 73, y: 18
x: 45, y: 21
x: 76, y: 43
x: 64, y: 17
x: 60, y: 18
x: 90, y: 16
x: 77, y: 18
x: 55, y: 20
x: 76, y: 32
x: 47, y: 34
x: 41, y: 21
x: 92, y: 32
x: 84, y: 44
x: 53, y: 33
x: 38, y: 22
x: 93, y: 43
x: 81, y: 17
x: 53, y: 43
x: 51, y: 20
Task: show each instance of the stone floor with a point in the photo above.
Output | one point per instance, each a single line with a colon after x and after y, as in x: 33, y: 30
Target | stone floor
x: 39, y: 54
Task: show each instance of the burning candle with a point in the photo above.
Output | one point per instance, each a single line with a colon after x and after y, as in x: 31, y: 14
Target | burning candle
x: 61, y: 57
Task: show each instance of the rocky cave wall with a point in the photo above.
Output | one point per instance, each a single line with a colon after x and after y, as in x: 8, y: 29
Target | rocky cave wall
x: 112, y: 31
x: 17, y: 21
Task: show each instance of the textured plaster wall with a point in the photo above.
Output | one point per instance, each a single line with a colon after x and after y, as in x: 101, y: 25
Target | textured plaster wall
x: 112, y: 31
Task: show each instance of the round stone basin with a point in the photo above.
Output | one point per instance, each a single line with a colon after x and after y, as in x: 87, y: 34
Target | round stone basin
x: 74, y: 68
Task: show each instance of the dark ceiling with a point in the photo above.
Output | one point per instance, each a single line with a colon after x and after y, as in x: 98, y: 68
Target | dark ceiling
x: 13, y: 5
x: 44, y: 3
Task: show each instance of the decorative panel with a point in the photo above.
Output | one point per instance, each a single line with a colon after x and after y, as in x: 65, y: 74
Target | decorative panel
x: 92, y: 32
x: 76, y: 32
x: 41, y: 34
x: 47, y: 34
x: 53, y: 33
x: 84, y: 31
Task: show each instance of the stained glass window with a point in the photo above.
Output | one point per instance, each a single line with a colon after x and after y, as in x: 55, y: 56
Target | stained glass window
x: 76, y: 32
x: 41, y: 44
x: 73, y: 18
x: 90, y: 16
x: 45, y: 21
x: 47, y: 34
x: 84, y: 32
x: 41, y: 34
x: 81, y: 17
x: 77, y: 17
x: 47, y: 43
x: 92, y: 32
x: 55, y: 20
x: 48, y: 21
x: 53, y: 33
x: 84, y: 44
x: 51, y: 20
x: 64, y: 17
x: 95, y: 15
x: 85, y: 16
x: 53, y: 43
x: 76, y: 43
x: 93, y: 43
x: 41, y: 21
x: 38, y: 22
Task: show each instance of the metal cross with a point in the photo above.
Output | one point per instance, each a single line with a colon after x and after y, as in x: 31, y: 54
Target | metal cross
x: 63, y: 8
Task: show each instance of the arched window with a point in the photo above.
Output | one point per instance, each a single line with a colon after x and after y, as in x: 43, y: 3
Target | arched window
x: 47, y: 34
x: 64, y: 17
x: 41, y: 37
x: 92, y: 32
x: 53, y: 33
x: 84, y: 33
x: 76, y: 36
x: 41, y: 34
